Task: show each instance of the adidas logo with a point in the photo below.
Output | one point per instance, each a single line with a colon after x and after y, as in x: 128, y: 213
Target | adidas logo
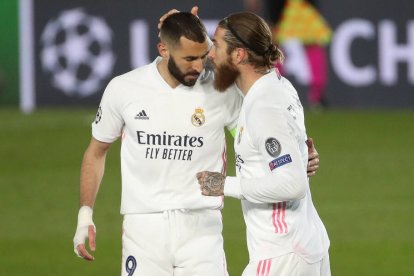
x: 142, y: 115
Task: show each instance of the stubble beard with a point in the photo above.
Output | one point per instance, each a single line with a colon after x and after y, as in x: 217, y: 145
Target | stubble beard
x: 178, y: 75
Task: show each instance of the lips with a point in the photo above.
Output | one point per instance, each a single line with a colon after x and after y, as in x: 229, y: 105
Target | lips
x: 193, y: 76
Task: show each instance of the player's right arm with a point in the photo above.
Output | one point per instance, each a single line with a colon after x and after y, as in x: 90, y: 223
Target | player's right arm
x: 92, y: 171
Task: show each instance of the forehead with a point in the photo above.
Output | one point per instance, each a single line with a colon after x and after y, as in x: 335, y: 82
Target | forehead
x: 191, y: 48
x: 219, y: 35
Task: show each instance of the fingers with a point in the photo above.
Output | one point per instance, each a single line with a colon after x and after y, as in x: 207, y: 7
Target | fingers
x: 162, y: 18
x: 92, y: 237
x: 313, y: 162
x: 83, y: 233
x: 194, y: 10
x: 83, y: 253
x: 312, y: 170
x: 201, y: 176
x: 313, y: 158
x: 201, y: 179
x: 313, y: 155
x: 311, y: 145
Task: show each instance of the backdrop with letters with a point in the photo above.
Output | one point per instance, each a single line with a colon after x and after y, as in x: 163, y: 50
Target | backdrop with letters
x: 71, y: 49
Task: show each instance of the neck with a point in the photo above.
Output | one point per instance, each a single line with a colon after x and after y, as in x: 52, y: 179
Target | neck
x: 248, y: 76
x: 162, y: 67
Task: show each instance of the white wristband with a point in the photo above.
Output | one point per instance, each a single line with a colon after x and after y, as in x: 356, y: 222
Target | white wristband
x: 85, y: 216
x: 84, y: 220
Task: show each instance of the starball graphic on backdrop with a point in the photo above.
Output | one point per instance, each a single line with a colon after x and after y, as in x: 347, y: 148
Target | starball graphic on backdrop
x: 77, y: 52
x: 79, y: 46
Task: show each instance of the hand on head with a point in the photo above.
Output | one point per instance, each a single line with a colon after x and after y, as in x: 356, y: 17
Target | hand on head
x: 194, y: 10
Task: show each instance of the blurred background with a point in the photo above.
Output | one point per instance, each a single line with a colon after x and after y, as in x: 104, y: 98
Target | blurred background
x: 352, y: 63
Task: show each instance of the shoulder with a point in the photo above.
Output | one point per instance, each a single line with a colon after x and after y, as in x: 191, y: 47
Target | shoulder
x: 143, y: 73
x: 274, y: 91
x: 129, y: 81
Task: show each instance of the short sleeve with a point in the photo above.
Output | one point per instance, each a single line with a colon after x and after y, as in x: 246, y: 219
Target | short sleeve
x: 108, y: 123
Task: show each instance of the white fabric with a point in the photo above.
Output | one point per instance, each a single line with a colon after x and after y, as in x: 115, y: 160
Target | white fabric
x: 174, y: 242
x: 84, y: 220
x: 278, y: 210
x: 288, y: 265
x: 162, y: 146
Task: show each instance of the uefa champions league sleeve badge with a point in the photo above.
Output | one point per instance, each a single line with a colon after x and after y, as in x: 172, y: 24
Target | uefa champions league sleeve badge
x: 273, y: 147
x: 198, y: 118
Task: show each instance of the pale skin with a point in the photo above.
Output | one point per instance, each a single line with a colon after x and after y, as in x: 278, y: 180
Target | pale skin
x: 92, y: 170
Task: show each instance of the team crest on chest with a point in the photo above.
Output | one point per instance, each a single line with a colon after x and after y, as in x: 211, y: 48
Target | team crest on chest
x: 198, y: 118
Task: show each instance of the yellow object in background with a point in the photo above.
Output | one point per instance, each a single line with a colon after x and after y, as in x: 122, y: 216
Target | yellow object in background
x: 301, y: 21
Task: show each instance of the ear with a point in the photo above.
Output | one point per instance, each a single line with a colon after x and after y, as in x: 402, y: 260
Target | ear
x: 239, y: 56
x: 163, y: 50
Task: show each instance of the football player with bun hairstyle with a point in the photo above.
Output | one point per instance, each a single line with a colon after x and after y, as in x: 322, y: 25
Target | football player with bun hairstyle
x: 285, y: 235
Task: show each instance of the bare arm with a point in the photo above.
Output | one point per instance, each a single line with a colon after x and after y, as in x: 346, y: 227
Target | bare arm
x: 92, y: 170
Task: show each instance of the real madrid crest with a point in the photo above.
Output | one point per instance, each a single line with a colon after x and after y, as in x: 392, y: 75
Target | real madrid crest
x: 198, y: 118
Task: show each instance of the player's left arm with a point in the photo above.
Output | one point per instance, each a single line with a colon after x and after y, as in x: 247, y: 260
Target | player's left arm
x: 280, y: 153
x: 313, y: 155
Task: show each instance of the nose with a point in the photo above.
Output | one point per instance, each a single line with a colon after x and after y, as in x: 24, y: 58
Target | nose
x: 198, y: 65
x: 212, y: 53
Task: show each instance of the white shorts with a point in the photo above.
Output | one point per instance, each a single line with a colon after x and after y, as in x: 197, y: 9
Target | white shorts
x: 288, y: 265
x: 175, y: 242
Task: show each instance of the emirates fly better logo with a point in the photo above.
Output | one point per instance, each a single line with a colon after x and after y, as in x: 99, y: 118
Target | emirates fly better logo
x: 77, y: 52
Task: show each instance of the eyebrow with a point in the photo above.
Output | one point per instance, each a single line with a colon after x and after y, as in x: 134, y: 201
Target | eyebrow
x: 195, y: 57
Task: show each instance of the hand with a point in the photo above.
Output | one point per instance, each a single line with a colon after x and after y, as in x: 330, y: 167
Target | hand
x: 211, y: 183
x: 85, y: 230
x: 313, y: 158
x: 194, y: 10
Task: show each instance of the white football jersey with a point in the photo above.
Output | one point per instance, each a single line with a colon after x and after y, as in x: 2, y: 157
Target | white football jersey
x: 271, y: 160
x: 168, y: 135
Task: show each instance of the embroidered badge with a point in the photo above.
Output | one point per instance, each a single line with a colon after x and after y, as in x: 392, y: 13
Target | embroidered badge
x: 273, y: 147
x: 279, y: 162
x: 98, y: 115
x: 198, y: 118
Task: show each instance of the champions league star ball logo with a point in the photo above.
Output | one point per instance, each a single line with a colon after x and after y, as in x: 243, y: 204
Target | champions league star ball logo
x: 77, y: 52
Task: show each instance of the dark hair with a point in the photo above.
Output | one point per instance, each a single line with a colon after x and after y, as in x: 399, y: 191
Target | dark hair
x: 182, y: 24
x: 248, y: 30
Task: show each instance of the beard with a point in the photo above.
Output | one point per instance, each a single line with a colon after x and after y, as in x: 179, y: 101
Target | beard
x: 180, y: 76
x: 225, y: 75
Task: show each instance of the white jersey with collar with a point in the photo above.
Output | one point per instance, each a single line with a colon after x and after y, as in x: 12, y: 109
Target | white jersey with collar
x: 168, y: 135
x: 271, y: 159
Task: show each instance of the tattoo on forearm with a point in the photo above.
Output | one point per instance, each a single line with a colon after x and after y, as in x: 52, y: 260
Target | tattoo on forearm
x: 214, y: 183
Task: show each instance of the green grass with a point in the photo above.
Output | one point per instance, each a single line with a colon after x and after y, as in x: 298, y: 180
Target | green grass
x: 364, y: 193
